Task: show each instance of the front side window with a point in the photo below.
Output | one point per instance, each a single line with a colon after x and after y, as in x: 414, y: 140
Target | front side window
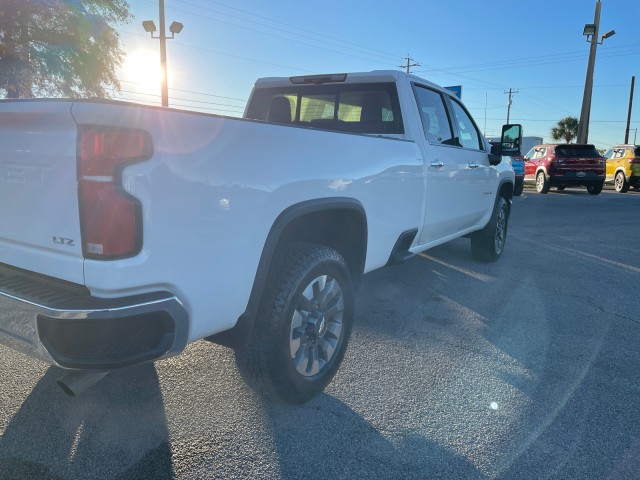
x: 469, y: 137
x: 433, y: 113
x: 619, y: 153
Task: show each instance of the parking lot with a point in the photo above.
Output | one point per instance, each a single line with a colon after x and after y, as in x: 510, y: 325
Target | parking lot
x: 526, y: 368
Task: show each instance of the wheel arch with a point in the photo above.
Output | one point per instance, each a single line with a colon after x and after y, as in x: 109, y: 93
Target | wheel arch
x: 339, y: 223
x: 542, y: 169
x: 505, y: 189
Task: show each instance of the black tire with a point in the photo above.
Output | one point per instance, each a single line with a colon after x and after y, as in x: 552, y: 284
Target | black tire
x: 620, y: 183
x: 487, y: 245
x: 542, y: 184
x: 517, y: 190
x: 595, y: 188
x: 268, y: 362
x: 560, y: 188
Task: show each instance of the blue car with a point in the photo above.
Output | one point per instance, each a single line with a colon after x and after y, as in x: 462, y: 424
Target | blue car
x: 517, y: 163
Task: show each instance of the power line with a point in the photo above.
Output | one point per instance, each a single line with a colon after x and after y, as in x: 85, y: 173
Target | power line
x: 225, y: 54
x: 189, y: 91
x: 324, y: 37
x: 342, y: 52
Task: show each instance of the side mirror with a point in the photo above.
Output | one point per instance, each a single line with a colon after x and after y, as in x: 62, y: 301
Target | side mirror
x: 511, y: 139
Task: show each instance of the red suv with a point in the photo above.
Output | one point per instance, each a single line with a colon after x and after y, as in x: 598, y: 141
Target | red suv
x: 565, y: 165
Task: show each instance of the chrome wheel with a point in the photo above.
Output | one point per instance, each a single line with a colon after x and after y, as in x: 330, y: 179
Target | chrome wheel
x: 316, y: 325
x: 542, y: 184
x: 620, y: 183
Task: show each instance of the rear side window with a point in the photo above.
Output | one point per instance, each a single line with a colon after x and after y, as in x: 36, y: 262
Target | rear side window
x: 364, y: 108
x: 576, y: 151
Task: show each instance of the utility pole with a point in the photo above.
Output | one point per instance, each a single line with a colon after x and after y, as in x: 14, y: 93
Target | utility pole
x: 175, y: 27
x: 510, y: 92
x: 585, y: 112
x: 409, y: 64
x: 591, y: 32
x: 163, y: 58
x: 626, y: 132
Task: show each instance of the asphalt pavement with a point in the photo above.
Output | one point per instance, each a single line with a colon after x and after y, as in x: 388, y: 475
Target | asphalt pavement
x: 528, y: 368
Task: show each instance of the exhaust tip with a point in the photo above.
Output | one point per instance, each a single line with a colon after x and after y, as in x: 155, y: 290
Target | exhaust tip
x: 75, y: 383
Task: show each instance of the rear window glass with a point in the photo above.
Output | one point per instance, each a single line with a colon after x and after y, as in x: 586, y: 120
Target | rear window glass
x: 577, y: 151
x: 364, y: 108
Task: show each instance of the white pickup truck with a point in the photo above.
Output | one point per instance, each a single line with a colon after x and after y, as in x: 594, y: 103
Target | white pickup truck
x: 127, y: 231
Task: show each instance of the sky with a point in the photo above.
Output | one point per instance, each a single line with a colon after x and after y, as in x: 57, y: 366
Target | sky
x: 537, y: 50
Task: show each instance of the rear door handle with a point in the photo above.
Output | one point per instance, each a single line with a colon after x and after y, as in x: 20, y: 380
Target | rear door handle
x: 437, y: 163
x: 474, y: 165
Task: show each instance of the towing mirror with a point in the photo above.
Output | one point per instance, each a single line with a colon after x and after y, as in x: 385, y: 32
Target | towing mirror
x: 511, y: 139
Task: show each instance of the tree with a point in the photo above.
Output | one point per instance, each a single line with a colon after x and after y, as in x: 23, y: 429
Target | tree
x: 566, y: 129
x: 52, y: 48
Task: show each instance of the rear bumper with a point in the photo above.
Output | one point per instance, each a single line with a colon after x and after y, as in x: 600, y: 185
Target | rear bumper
x: 62, y: 324
x: 574, y: 178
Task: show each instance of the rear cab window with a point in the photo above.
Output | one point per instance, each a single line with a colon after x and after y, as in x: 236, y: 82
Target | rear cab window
x: 369, y: 108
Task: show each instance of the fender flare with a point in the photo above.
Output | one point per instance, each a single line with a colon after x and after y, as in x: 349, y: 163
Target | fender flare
x: 240, y: 333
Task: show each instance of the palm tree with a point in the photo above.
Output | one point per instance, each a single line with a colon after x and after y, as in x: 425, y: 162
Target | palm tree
x: 566, y: 129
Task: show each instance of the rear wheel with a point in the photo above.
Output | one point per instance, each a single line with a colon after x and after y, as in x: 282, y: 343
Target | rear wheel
x: 303, y: 325
x: 594, y: 188
x: 488, y: 244
x: 542, y: 184
x: 620, y: 183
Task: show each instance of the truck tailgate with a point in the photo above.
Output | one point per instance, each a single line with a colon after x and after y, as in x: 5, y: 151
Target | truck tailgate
x: 39, y: 220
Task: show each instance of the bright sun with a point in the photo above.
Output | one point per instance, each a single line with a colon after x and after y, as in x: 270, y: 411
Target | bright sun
x: 142, y: 69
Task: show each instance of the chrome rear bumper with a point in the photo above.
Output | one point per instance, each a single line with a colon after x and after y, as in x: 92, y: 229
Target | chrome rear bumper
x: 64, y: 325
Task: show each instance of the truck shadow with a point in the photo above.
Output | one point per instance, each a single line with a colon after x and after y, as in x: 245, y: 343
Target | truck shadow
x: 120, y: 421
x: 325, y: 438
x: 118, y: 430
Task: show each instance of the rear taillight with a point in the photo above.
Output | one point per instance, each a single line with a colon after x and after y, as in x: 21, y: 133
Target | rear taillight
x: 110, y: 218
x: 634, y: 160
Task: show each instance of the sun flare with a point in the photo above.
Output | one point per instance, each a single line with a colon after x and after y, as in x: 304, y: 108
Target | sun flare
x: 142, y: 69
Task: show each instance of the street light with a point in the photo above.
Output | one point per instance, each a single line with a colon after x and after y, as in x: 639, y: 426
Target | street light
x: 149, y: 27
x: 610, y: 33
x: 591, y: 32
x: 175, y: 28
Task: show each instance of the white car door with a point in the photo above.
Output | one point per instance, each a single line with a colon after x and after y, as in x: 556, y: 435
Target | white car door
x: 480, y: 179
x: 457, y: 182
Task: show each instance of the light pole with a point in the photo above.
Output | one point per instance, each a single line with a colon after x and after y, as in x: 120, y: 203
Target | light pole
x: 591, y: 32
x: 174, y: 28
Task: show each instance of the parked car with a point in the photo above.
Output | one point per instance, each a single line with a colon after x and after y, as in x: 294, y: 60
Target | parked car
x: 517, y: 163
x: 564, y: 165
x: 623, y: 167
